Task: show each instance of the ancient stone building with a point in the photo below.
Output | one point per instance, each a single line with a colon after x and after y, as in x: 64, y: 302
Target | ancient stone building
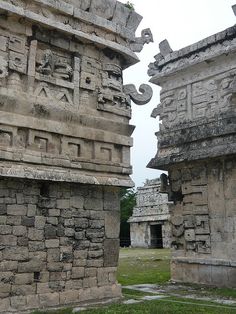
x: 149, y: 224
x: 197, y: 146
x: 64, y: 147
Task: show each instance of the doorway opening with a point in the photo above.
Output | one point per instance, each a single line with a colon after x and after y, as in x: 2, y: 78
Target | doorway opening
x: 156, y: 236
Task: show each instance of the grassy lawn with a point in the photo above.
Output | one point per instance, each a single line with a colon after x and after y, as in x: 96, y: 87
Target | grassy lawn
x: 165, y: 306
x: 139, y: 266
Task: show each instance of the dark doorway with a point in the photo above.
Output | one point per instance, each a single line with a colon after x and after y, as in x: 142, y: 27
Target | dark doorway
x: 156, y: 236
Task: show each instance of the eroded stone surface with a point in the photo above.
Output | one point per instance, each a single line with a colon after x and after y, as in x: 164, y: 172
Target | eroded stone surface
x: 65, y: 144
x: 196, y: 145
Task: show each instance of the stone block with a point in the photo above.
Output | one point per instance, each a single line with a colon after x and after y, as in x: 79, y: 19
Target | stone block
x: 13, y: 220
x: 5, y: 229
x: 111, y: 199
x: 49, y: 299
x: 96, y: 224
x: 35, y: 234
x: 22, y: 241
x: 4, y: 305
x: 16, y: 253
x: 111, y: 252
x: 50, y: 232
x: 77, y: 272
x: 31, y: 210
x: 3, y: 209
x: 121, y: 14
x: 90, y: 272
x: 133, y: 21
x: 16, y: 210
x: 54, y: 266
x: 77, y: 202
x: 32, y: 301
x: 18, y: 302
x: 53, y: 243
x: 112, y: 224
x: 8, y: 240
x: 95, y: 254
x: 23, y: 290
x: 81, y: 223
x: 74, y: 284
x: 95, y: 263
x: 93, y: 204
x: 3, y: 220
x: 52, y: 221
x: 40, y: 222
x: 102, y: 277
x: 219, y: 276
x: 63, y: 203
x: 103, y: 8
x: 28, y: 221
x: 69, y: 297
x: 8, y: 266
x: 34, y: 265
x: 89, y: 282
x: 24, y: 279
x: 19, y: 231
x: 80, y: 254
x: 54, y: 212
x: 53, y: 255
x: 35, y: 246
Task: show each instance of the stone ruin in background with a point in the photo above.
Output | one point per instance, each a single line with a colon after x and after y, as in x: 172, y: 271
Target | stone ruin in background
x: 149, y: 223
x: 197, y: 146
x: 65, y: 145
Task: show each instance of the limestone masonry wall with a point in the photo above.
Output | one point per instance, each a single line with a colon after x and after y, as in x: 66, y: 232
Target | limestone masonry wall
x: 58, y: 244
x: 65, y: 144
x: 197, y: 146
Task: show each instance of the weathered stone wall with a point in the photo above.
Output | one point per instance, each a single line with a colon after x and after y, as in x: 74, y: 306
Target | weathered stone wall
x: 65, y: 144
x: 152, y: 208
x: 196, y: 145
x: 58, y: 243
x: 203, y: 224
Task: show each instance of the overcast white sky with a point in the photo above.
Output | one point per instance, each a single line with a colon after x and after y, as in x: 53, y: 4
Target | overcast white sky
x: 181, y: 22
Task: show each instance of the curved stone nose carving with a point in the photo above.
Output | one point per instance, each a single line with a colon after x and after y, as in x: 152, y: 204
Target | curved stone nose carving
x: 139, y: 99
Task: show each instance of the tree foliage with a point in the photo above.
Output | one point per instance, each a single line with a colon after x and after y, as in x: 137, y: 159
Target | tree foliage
x: 127, y: 203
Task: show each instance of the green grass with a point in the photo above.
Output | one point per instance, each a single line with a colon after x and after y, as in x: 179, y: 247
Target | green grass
x: 163, y: 306
x: 138, y: 266
x: 135, y: 294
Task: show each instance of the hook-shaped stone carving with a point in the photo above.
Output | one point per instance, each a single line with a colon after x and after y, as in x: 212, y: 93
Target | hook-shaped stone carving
x: 139, y: 99
x: 146, y: 38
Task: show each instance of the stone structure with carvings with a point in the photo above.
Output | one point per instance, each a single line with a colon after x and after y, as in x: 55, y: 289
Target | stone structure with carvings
x: 197, y: 146
x: 64, y: 147
x: 149, y: 224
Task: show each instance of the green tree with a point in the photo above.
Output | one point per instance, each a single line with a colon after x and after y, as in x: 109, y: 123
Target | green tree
x: 127, y: 203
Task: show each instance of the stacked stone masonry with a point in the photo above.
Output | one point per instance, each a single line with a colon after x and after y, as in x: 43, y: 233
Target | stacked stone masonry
x: 58, y: 244
x: 65, y: 142
x: 196, y: 145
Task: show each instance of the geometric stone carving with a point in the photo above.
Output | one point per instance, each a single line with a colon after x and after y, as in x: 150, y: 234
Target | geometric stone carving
x: 64, y: 138
x: 196, y: 141
x: 17, y: 62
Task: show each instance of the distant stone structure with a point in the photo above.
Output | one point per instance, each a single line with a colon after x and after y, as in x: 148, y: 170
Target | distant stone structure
x: 64, y: 147
x: 197, y: 146
x: 149, y: 224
